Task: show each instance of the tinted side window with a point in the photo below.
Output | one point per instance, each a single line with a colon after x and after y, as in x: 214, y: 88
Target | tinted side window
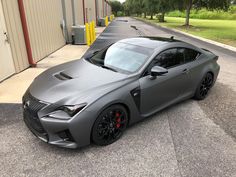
x: 190, y: 55
x: 170, y: 58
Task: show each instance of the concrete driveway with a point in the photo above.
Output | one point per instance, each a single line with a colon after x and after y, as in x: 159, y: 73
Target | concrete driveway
x: 188, y: 139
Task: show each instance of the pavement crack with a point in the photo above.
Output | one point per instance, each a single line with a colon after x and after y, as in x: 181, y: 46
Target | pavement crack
x: 174, y: 145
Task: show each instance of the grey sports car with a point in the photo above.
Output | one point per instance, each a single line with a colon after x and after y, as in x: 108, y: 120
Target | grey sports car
x: 95, y: 98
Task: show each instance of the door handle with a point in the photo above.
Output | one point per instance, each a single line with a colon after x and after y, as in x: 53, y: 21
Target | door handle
x: 185, y: 71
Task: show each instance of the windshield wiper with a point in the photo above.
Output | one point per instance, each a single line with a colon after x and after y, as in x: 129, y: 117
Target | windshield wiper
x: 107, y: 67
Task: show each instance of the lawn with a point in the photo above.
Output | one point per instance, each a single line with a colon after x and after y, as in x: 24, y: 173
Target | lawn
x: 223, y: 31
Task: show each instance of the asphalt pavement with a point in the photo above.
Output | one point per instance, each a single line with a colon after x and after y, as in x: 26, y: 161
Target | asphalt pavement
x: 192, y: 138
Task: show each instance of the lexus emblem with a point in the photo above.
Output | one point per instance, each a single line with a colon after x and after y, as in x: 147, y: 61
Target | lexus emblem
x: 27, y: 104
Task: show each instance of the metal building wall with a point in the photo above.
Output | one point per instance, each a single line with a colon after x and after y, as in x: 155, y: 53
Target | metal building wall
x: 105, y: 8
x: 90, y: 10
x: 109, y: 10
x: 79, y: 14
x: 100, y: 8
x: 43, y: 20
x: 15, y: 33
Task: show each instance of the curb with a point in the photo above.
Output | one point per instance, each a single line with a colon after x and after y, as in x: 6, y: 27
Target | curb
x: 225, y: 46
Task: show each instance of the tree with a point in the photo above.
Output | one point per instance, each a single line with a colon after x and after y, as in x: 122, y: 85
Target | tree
x: 151, y: 7
x: 135, y: 7
x: 209, y: 4
x: 164, y: 6
x: 116, y: 7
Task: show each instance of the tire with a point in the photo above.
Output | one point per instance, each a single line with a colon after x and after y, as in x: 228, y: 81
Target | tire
x: 204, y: 87
x: 110, y: 125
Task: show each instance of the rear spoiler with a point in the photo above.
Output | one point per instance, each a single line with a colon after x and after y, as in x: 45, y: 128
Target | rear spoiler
x: 215, y: 56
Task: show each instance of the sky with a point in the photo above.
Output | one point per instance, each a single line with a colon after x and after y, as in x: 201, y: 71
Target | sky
x: 121, y: 1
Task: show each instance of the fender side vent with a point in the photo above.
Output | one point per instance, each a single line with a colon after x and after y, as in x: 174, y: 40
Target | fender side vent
x: 136, y: 94
x: 62, y: 76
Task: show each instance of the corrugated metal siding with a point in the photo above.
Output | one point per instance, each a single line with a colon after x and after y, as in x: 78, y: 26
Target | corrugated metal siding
x: 79, y: 16
x: 69, y: 17
x: 14, y: 29
x: 91, y: 14
x: 100, y: 8
x: 104, y: 8
x: 109, y: 10
x: 43, y: 19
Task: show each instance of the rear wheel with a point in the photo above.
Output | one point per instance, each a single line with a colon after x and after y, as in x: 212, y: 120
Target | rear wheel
x: 110, y: 125
x: 204, y: 87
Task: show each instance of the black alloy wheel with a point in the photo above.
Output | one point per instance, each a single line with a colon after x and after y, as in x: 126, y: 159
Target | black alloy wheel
x: 204, y: 87
x: 110, y: 125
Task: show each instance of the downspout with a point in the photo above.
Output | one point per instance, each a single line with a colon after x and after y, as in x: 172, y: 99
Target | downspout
x: 67, y: 38
x: 26, y: 33
x: 84, y: 12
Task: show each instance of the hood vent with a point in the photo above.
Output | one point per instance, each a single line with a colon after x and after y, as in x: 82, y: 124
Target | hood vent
x: 62, y: 76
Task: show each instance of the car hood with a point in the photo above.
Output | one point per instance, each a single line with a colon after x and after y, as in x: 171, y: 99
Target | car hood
x: 75, y: 82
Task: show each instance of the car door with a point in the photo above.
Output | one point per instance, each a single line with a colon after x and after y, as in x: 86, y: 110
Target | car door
x: 193, y: 67
x: 166, y: 89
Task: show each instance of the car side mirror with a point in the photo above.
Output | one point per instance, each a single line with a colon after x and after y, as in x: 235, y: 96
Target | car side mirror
x: 158, y: 71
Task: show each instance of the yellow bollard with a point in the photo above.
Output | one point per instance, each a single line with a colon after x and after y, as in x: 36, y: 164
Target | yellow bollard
x: 91, y: 31
x: 106, y: 20
x: 94, y: 31
x: 87, y: 34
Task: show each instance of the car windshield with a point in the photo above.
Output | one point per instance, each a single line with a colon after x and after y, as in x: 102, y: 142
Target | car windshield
x: 122, y: 57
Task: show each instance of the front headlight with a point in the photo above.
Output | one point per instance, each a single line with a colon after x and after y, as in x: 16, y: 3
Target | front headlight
x: 72, y: 110
x: 66, y: 112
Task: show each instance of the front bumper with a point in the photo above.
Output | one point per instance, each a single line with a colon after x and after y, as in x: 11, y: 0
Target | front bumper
x: 55, y: 133
x: 71, y: 133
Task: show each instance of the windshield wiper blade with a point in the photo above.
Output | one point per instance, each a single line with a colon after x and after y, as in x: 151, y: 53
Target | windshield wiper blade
x: 107, y: 67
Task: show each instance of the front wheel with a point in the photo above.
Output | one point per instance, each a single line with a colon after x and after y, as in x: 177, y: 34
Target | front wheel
x: 110, y: 125
x: 204, y: 87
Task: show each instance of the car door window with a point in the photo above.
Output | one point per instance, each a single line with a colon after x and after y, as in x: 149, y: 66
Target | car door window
x: 190, y: 55
x: 170, y: 58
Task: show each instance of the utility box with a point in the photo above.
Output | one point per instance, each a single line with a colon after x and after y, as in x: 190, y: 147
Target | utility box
x: 102, y: 22
x: 79, y: 34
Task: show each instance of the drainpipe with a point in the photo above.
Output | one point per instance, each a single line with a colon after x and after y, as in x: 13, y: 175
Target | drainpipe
x: 84, y: 11
x: 26, y: 33
x: 65, y: 20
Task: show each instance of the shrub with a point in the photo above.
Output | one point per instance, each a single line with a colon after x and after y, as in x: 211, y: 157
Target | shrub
x: 206, y: 14
x: 120, y: 14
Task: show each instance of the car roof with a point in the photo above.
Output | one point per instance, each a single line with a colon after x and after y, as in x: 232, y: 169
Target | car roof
x: 149, y: 42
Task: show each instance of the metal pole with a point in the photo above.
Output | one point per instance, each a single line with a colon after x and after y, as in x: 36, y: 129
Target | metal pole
x: 26, y: 33
x: 65, y: 20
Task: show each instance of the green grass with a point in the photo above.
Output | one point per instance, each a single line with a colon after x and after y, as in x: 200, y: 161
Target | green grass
x: 223, y: 31
x: 206, y: 14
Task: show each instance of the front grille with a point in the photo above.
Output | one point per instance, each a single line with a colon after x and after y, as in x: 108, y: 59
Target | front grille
x: 33, y: 105
x: 31, y: 108
x: 33, y: 122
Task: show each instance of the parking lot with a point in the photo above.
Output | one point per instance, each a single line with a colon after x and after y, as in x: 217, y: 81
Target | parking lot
x: 192, y: 138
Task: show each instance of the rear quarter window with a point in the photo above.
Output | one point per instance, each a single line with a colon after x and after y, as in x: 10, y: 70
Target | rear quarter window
x: 190, y: 55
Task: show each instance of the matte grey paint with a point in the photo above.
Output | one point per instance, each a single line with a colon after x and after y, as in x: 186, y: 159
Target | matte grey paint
x: 99, y: 88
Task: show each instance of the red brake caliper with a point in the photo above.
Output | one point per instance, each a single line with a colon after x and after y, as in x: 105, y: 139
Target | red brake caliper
x: 118, y: 120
